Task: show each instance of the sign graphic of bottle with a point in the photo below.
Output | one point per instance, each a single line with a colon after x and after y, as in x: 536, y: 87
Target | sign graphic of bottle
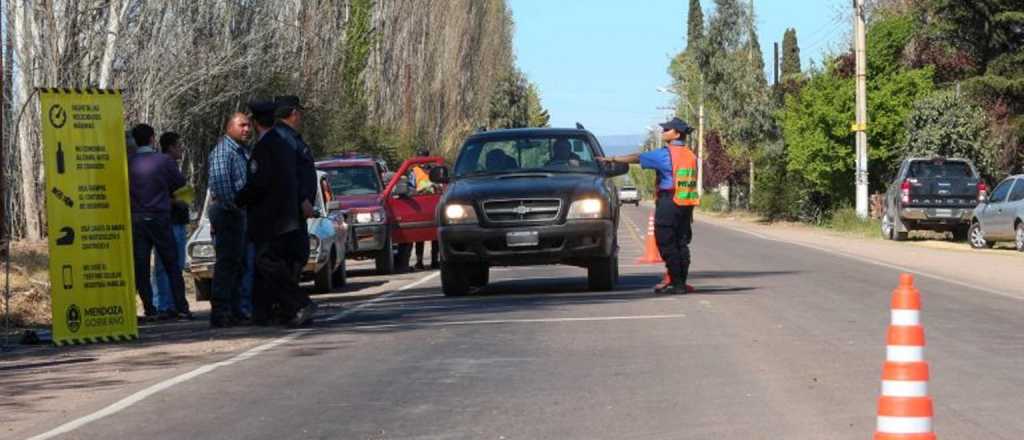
x: 67, y: 277
x: 60, y: 158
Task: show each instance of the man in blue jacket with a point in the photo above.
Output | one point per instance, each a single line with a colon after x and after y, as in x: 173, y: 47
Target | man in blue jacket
x: 152, y: 178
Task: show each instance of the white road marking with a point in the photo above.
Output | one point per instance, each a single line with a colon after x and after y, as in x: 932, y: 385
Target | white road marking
x: 523, y: 321
x: 869, y: 261
x: 168, y: 383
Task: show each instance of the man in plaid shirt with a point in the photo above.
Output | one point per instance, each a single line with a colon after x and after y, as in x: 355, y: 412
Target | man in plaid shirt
x: 229, y: 165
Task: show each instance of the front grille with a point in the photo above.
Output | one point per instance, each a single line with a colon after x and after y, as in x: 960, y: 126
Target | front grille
x: 522, y: 210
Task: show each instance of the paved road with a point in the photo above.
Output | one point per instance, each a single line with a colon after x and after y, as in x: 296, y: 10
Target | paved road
x: 782, y: 343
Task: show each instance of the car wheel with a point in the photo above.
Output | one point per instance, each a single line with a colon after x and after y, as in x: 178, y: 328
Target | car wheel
x: 324, y: 282
x: 603, y: 273
x: 385, y: 259
x: 479, y: 275
x: 976, y: 237
x: 961, y: 234
x: 1020, y: 236
x: 890, y: 229
x: 204, y: 289
x: 341, y: 273
x: 454, y: 280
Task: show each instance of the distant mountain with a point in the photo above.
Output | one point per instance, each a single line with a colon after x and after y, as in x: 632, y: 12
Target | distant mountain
x: 621, y: 144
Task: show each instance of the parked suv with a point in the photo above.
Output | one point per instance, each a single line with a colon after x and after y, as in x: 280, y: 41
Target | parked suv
x: 528, y: 197
x: 386, y: 215
x: 935, y: 194
x: 1000, y: 217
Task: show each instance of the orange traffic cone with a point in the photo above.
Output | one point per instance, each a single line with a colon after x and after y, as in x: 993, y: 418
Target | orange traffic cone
x: 651, y: 254
x: 904, y: 409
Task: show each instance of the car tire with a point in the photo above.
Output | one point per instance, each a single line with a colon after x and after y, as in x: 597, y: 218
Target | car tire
x: 324, y: 282
x: 385, y: 259
x: 603, y: 273
x: 1020, y: 236
x: 479, y: 275
x: 961, y: 233
x: 890, y: 229
x: 454, y: 280
x: 341, y: 273
x: 976, y: 237
x: 204, y: 289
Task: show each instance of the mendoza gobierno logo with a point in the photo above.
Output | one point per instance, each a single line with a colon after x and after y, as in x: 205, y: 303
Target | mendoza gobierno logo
x: 74, y: 318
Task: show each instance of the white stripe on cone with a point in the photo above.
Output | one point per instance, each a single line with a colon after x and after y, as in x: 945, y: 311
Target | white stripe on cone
x: 904, y: 388
x: 904, y: 353
x: 904, y: 425
x: 906, y: 317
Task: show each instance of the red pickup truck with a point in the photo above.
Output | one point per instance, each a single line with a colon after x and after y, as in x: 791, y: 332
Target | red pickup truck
x: 385, y: 213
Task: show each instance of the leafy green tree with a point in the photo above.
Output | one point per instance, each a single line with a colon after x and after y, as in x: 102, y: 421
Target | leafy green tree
x: 350, y: 127
x: 943, y: 124
x: 694, y: 25
x: 790, y: 54
x: 510, y: 102
x: 536, y: 113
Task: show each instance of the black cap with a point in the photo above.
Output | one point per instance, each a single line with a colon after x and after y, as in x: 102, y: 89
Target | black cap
x: 262, y: 108
x: 678, y: 125
x: 289, y: 101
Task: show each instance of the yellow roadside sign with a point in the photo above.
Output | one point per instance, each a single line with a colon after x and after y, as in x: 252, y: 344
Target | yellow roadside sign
x: 88, y: 213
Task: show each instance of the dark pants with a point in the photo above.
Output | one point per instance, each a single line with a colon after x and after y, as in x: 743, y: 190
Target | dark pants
x: 229, y: 245
x: 277, y: 276
x: 151, y: 232
x: 433, y: 251
x: 673, y: 232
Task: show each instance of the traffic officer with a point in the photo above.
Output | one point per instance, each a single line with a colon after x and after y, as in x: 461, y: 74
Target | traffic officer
x: 289, y: 113
x: 676, y: 167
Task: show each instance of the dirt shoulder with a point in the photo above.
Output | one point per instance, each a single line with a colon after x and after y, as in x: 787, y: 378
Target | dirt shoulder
x: 45, y: 386
x: 997, y: 271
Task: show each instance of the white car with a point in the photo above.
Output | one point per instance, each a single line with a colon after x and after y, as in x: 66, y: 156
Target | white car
x: 328, y: 234
x: 629, y: 194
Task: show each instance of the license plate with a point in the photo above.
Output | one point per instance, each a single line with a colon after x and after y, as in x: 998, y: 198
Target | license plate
x: 943, y: 212
x: 522, y: 238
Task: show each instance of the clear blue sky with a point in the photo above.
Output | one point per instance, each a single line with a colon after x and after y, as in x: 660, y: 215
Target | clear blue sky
x: 599, y: 61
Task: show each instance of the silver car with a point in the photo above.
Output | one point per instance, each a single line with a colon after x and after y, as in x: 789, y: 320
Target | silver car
x: 1001, y: 216
x: 328, y: 234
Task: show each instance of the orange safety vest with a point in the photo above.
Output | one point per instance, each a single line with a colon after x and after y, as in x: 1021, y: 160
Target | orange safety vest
x: 684, y: 176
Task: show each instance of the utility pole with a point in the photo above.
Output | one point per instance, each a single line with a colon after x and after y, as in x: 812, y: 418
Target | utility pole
x: 750, y: 51
x: 775, y: 65
x: 860, y: 127
x: 700, y: 146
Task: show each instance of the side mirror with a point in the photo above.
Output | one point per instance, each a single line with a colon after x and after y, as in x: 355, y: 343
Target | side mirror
x: 333, y: 205
x: 440, y: 174
x: 615, y: 169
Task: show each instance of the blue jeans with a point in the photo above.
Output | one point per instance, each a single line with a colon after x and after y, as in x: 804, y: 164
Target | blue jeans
x: 153, y: 232
x: 163, y: 300
x: 230, y: 247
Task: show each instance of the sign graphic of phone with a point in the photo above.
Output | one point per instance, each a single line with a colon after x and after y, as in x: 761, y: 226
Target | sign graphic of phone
x: 67, y: 277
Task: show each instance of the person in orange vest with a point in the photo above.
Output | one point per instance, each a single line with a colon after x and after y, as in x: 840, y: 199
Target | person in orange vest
x: 676, y: 167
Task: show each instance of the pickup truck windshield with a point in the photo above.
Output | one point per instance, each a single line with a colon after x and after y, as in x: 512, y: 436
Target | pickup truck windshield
x: 932, y: 170
x: 554, y: 154
x: 353, y: 181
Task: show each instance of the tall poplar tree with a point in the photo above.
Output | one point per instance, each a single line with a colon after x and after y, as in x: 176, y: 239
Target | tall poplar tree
x: 790, y: 54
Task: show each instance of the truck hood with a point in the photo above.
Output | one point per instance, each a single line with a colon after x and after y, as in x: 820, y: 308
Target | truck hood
x: 526, y: 185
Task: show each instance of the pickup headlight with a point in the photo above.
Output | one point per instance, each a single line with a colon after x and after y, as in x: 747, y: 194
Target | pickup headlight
x: 201, y: 250
x: 457, y: 214
x: 368, y: 217
x: 590, y: 208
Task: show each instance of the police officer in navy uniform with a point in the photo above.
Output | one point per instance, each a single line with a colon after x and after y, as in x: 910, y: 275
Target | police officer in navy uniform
x: 271, y: 199
x: 676, y: 166
x: 289, y: 113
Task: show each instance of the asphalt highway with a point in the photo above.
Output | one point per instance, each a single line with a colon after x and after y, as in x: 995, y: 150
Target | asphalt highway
x: 780, y: 342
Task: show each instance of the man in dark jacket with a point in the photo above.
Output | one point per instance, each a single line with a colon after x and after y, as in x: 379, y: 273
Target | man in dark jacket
x: 271, y: 199
x: 289, y: 113
x: 152, y: 177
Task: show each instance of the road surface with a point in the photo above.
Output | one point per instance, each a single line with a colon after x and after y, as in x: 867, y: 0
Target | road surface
x: 781, y: 342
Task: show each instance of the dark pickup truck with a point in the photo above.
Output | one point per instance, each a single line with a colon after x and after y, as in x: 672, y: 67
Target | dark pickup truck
x: 933, y: 194
x: 528, y: 197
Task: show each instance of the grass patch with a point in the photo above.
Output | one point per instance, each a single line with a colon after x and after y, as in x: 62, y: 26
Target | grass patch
x: 713, y: 202
x: 30, y: 285
x: 845, y: 220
